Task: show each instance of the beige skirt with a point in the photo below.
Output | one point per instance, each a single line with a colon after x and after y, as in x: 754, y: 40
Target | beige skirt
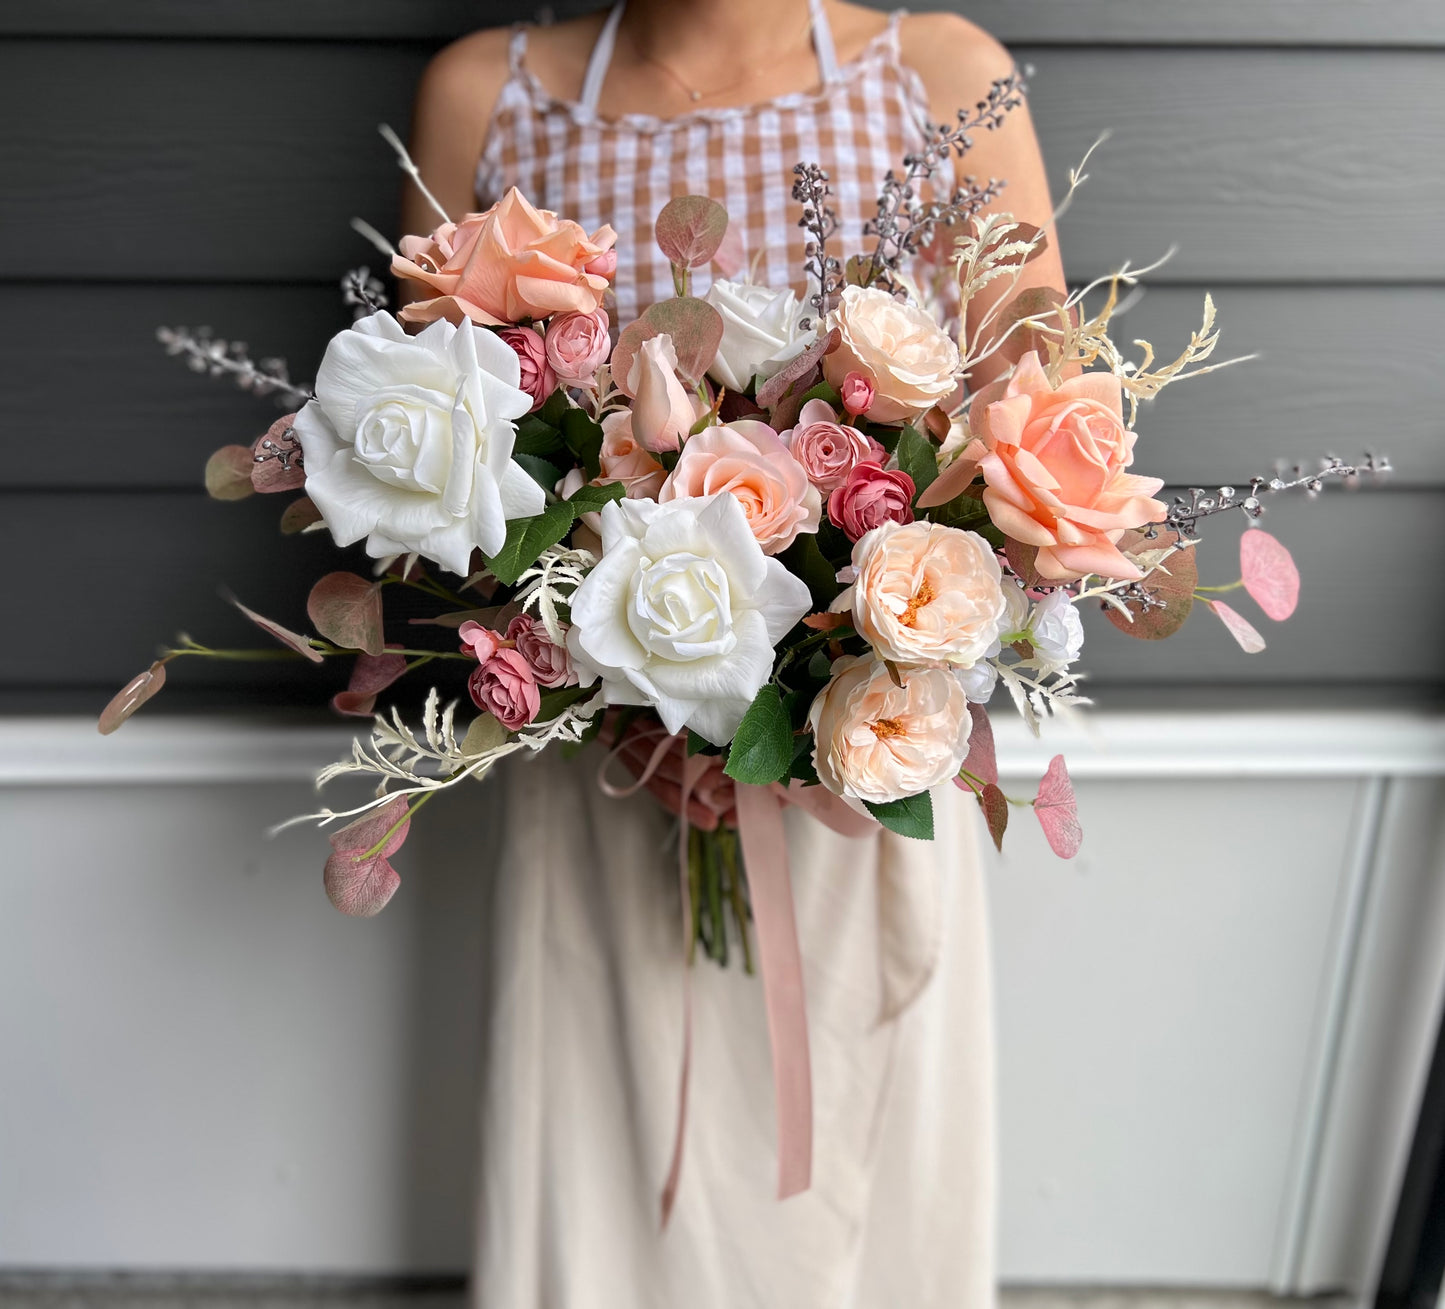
x: 583, y: 1043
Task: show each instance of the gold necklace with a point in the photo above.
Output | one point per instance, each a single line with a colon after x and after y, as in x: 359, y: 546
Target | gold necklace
x: 691, y: 91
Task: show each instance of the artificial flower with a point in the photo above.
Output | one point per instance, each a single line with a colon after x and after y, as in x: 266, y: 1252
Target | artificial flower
x: 856, y: 392
x: 877, y: 741
x: 870, y: 497
x: 548, y: 661
x: 408, y: 442
x: 1055, y: 630
x: 828, y: 450
x: 478, y: 641
x: 663, y: 411
x: 760, y: 332
x: 682, y: 612
x: 747, y: 460
x: 511, y: 263
x: 927, y: 594
x: 577, y: 346
x: 623, y: 459
x: 909, y: 360
x: 505, y: 687
x: 536, y: 377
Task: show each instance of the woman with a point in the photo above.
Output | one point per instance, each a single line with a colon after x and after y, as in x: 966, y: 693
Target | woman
x: 603, y: 119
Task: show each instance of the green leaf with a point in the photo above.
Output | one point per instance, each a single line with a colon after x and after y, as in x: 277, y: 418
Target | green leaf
x: 967, y: 513
x: 823, y: 391
x: 762, y: 749
x: 802, y: 765
x: 910, y: 816
x: 918, y: 457
x: 527, y: 538
x: 699, y: 744
x: 536, y: 437
x: 556, y: 406
x: 553, y: 702
x: 584, y: 439
x: 542, y: 471
x: 589, y: 499
x: 805, y: 559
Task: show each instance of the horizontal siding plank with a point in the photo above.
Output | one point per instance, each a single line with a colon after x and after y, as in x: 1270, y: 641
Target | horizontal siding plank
x: 1064, y: 22
x: 240, y: 161
x: 178, y: 549
x: 1341, y: 370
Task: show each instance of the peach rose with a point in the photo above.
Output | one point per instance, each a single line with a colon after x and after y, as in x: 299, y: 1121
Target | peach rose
x: 927, y: 594
x: 877, y: 741
x: 577, y: 346
x: 909, y: 360
x: 1054, y: 463
x: 827, y: 449
x: 748, y: 461
x: 624, y: 459
x: 510, y: 263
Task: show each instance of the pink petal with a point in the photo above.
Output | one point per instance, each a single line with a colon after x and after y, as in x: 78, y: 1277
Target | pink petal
x: 1270, y: 575
x: 982, y: 760
x: 1058, y: 810
x: 359, y: 883
x: 1250, y: 641
x: 131, y: 696
x: 287, y: 637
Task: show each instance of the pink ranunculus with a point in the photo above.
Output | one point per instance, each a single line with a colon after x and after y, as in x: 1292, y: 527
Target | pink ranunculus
x: 748, y: 461
x: 508, y: 264
x: 537, y: 380
x: 577, y: 346
x: 477, y: 640
x: 1054, y: 463
x: 548, y: 661
x: 505, y: 687
x: 827, y: 450
x: 624, y: 460
x: 857, y: 393
x: 662, y: 410
x: 871, y: 497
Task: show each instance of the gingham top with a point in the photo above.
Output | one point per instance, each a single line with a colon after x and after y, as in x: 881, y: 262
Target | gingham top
x: 860, y: 121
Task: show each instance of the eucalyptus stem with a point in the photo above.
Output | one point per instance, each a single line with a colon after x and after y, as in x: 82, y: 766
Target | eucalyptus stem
x: 735, y: 895
x: 1219, y: 590
x: 392, y: 830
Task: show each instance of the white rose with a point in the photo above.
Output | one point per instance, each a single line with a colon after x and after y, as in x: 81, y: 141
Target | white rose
x: 1055, y: 631
x: 408, y: 442
x: 911, y: 361
x: 760, y: 332
x: 682, y: 612
x: 979, y: 681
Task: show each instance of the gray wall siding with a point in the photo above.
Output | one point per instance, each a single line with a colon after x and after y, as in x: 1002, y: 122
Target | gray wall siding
x: 169, y: 162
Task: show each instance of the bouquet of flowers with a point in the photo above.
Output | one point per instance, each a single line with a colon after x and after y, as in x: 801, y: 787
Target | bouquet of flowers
x: 767, y: 551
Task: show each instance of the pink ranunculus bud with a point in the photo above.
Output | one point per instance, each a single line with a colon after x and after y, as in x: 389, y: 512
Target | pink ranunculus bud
x: 478, y: 640
x: 662, y: 412
x: 538, y: 380
x: 604, y: 265
x: 577, y: 346
x: 871, y: 497
x: 547, y: 660
x: 857, y: 393
x: 505, y: 687
x: 827, y: 450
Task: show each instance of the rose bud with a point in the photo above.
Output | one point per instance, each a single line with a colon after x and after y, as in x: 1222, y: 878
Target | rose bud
x: 537, y: 380
x: 505, y: 688
x: 871, y: 497
x: 478, y: 640
x: 662, y: 412
x: 857, y: 393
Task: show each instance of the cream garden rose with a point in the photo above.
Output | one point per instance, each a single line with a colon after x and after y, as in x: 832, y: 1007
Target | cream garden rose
x: 408, y: 442
x: 911, y: 362
x: 760, y: 332
x: 682, y: 612
x: 877, y: 741
x: 927, y: 594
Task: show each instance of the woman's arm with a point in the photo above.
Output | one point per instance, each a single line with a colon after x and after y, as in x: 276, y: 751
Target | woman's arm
x: 957, y: 61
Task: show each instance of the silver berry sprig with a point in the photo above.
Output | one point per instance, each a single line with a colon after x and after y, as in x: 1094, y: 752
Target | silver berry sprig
x: 204, y: 353
x: 363, y: 293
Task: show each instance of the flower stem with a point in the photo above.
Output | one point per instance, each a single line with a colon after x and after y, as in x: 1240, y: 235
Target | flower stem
x: 1218, y: 590
x: 392, y: 830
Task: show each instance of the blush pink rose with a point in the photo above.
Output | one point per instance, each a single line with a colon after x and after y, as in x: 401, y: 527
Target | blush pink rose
x: 1054, y: 463
x: 857, y: 394
x: 548, y: 661
x: 663, y: 411
x: 577, y: 346
x: 748, y: 461
x: 510, y: 263
x: 827, y: 450
x: 505, y: 687
x: 537, y: 379
x: 877, y: 741
x: 870, y: 497
x: 624, y: 460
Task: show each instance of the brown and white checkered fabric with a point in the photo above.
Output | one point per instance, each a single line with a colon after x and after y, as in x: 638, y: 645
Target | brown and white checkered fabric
x: 565, y: 158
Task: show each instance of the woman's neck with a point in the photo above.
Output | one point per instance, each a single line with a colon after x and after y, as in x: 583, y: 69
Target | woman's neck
x: 691, y: 36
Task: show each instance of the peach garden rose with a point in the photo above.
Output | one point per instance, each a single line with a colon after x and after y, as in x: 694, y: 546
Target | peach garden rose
x: 875, y: 740
x: 1054, y: 460
x: 910, y: 362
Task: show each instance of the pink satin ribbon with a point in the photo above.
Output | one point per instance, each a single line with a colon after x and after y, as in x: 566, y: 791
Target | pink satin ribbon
x: 759, y: 812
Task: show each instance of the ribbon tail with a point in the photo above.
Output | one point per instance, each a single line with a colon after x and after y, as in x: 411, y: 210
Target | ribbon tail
x: 765, y: 854
x: 674, y: 1171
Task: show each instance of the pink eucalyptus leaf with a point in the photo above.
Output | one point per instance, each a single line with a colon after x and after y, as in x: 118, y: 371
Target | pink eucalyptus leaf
x: 797, y: 368
x: 994, y: 804
x: 228, y: 473
x: 357, y: 881
x: 347, y: 611
x: 696, y: 330
x: 1174, y: 588
x: 287, y: 637
x: 354, y: 704
x: 731, y: 257
x: 299, y: 515
x: 1240, y: 628
x: 982, y: 759
x: 1021, y: 559
x: 371, y: 674
x: 1270, y: 575
x: 131, y: 696
x: 690, y: 229
x: 625, y: 352
x: 1058, y: 810
x: 276, y: 458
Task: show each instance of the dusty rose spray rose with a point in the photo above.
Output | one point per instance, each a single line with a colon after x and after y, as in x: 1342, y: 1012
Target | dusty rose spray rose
x: 538, y: 380
x: 577, y: 346
x: 548, y: 661
x: 827, y: 450
x: 506, y: 688
x: 871, y: 497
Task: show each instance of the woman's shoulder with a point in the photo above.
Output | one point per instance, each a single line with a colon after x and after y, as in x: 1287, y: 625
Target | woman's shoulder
x: 956, y: 58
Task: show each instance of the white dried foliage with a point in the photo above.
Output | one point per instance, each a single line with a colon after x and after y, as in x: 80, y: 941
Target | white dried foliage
x: 550, y: 582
